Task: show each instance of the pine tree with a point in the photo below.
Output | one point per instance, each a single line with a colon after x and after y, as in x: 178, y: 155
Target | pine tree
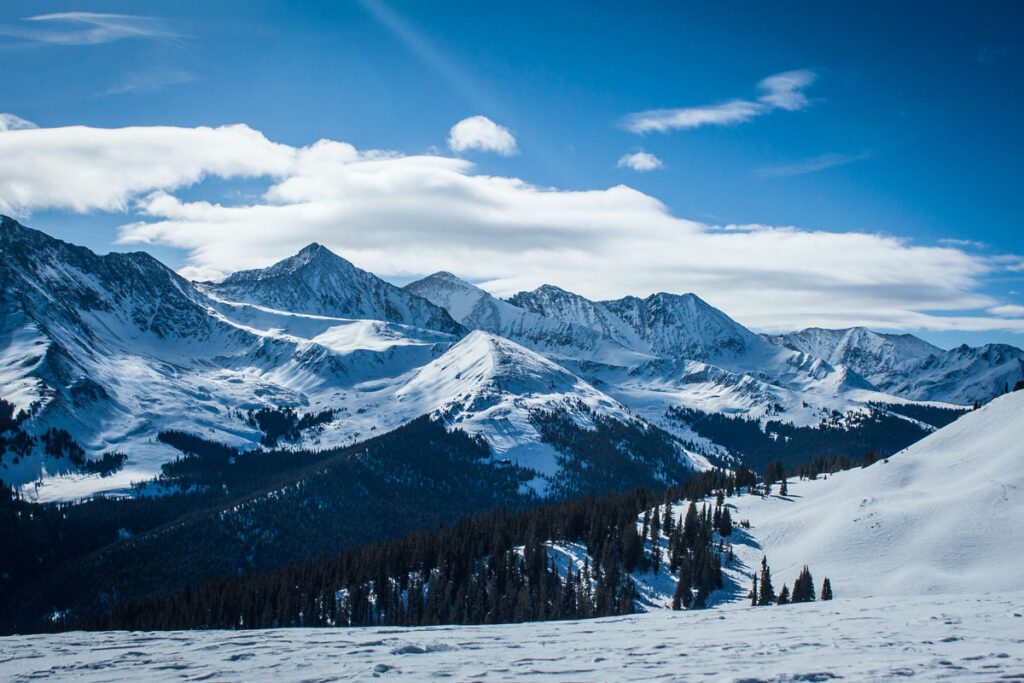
x: 681, y: 597
x: 803, y: 587
x: 725, y: 523
x: 632, y: 547
x: 826, y: 589
x: 690, y: 525
x: 754, y: 593
x: 784, y: 595
x: 666, y: 522
x: 767, y: 594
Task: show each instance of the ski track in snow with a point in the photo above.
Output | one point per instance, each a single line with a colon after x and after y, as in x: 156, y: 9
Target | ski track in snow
x: 961, y: 638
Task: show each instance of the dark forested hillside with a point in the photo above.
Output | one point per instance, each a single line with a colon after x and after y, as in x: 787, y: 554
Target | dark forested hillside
x: 612, y: 456
x: 88, y: 557
x: 853, y: 436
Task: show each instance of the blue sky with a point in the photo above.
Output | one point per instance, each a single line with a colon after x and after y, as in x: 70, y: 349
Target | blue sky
x: 906, y: 129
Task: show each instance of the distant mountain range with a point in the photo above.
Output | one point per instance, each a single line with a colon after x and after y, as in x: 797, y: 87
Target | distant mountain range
x: 116, y: 349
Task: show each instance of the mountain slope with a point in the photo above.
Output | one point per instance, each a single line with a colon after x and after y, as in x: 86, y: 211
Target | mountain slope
x: 495, y: 388
x: 938, y: 517
x: 319, y: 282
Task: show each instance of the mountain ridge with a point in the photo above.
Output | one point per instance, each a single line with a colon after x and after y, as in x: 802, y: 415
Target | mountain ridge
x: 116, y: 348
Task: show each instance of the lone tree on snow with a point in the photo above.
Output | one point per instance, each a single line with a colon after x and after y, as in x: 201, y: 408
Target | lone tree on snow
x: 767, y: 593
x: 826, y: 589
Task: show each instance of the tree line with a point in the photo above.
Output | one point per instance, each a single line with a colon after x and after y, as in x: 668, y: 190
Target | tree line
x: 487, y: 568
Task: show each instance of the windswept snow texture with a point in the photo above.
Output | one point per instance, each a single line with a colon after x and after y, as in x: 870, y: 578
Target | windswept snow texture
x: 952, y: 637
x: 942, y: 516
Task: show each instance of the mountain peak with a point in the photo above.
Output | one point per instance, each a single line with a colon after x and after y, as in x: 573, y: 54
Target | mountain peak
x: 316, y: 281
x: 442, y: 278
x: 314, y: 249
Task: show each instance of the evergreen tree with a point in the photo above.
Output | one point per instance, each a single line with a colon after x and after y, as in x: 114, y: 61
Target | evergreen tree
x: 784, y: 595
x: 690, y: 525
x: 725, y: 523
x: 767, y: 594
x: 754, y: 593
x: 826, y: 589
x: 803, y: 587
x: 682, y: 596
x: 632, y: 548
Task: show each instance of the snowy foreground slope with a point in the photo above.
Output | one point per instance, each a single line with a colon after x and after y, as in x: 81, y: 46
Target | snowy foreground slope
x: 943, y: 516
x: 962, y: 638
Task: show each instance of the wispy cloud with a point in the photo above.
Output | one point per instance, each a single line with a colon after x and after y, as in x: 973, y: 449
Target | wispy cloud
x: 785, y: 90
x: 641, y: 162
x: 87, y: 28
x: 813, y: 165
x: 482, y: 134
x: 12, y: 122
x: 149, y: 81
x: 780, y: 91
x: 971, y: 244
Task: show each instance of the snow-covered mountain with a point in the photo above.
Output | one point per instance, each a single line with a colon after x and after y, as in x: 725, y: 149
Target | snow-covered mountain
x: 654, y: 353
x: 564, y: 339
x: 116, y: 348
x: 555, y: 303
x: 317, y: 281
x: 690, y: 353
x: 911, y: 368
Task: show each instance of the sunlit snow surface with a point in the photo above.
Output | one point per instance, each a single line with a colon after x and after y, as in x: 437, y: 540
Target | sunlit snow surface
x: 927, y: 638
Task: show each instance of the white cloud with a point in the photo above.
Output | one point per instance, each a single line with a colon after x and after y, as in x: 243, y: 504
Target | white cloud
x: 480, y: 133
x: 664, y: 120
x: 785, y: 90
x: 12, y: 122
x: 84, y: 169
x: 1008, y: 310
x: 641, y: 162
x: 405, y: 216
x: 87, y: 28
x: 781, y: 91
